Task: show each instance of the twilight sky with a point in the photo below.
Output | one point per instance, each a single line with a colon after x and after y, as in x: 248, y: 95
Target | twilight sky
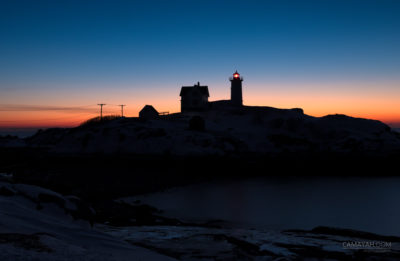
x: 58, y: 59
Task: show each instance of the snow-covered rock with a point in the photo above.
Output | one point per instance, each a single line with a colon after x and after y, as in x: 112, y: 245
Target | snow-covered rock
x: 221, y: 243
x: 11, y: 141
x: 50, y: 232
x: 227, y: 131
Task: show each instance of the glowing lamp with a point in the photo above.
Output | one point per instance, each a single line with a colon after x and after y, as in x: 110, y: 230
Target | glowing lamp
x: 235, y: 75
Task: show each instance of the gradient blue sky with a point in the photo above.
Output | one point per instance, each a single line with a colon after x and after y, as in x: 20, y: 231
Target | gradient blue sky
x: 325, y: 56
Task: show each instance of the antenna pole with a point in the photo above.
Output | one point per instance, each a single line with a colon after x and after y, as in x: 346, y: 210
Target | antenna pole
x: 101, y: 110
x: 122, y: 109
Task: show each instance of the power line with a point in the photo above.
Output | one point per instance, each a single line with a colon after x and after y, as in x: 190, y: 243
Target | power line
x: 33, y: 108
x: 48, y: 119
x: 122, y: 109
x: 27, y: 107
x: 101, y: 110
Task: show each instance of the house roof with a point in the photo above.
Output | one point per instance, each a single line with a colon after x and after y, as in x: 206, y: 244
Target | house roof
x: 188, y: 89
x: 148, y: 108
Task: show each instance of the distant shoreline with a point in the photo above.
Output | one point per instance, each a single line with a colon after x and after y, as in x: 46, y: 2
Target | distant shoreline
x: 26, y: 132
x: 122, y: 175
x: 19, y: 132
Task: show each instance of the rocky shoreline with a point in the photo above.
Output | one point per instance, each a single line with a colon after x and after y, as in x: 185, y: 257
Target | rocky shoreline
x: 205, y: 243
x: 46, y: 233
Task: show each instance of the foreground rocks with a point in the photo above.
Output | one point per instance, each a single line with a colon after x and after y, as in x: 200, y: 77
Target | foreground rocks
x: 39, y: 224
x: 205, y: 243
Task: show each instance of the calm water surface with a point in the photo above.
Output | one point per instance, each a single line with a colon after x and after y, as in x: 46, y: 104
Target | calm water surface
x: 369, y: 204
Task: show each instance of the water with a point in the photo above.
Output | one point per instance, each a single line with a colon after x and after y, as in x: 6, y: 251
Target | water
x: 368, y: 204
x: 19, y: 132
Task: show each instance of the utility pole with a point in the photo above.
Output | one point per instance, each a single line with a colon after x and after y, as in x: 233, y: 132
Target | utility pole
x: 101, y: 110
x: 122, y: 109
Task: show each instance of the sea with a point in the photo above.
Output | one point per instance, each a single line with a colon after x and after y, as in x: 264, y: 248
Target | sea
x: 19, y: 132
x: 366, y: 204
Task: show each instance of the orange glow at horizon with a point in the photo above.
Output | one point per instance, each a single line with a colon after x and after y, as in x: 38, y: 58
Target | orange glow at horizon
x: 315, y: 101
x: 370, y: 105
x: 48, y: 119
x: 316, y: 108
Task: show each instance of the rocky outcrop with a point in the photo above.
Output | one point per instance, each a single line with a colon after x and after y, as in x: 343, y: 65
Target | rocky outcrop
x: 44, y: 199
x: 40, y: 224
x: 262, y: 130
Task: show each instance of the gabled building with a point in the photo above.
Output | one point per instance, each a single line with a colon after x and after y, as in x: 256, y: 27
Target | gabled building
x: 148, y: 112
x: 194, y: 98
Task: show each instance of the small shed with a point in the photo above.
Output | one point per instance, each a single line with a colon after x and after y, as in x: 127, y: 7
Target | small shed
x: 148, y: 112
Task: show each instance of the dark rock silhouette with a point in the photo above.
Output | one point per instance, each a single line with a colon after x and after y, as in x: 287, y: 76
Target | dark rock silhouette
x: 232, y: 128
x: 261, y: 130
x: 196, y: 123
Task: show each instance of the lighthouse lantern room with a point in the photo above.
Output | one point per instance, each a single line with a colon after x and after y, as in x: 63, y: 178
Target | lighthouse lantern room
x: 236, y: 89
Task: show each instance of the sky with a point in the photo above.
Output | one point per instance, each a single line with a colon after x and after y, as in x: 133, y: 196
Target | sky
x: 59, y: 59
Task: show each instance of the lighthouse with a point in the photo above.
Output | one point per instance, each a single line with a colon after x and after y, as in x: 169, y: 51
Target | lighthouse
x: 236, y: 89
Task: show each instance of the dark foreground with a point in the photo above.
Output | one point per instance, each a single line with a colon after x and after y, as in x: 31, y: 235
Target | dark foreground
x: 36, y: 224
x: 130, y: 174
x: 204, y: 243
x: 98, y: 180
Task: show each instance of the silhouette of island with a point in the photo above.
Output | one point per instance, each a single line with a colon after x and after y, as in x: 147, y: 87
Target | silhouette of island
x: 224, y: 127
x: 232, y: 138
x: 109, y: 157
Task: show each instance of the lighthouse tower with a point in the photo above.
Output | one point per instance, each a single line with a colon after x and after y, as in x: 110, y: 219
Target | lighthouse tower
x: 236, y: 89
